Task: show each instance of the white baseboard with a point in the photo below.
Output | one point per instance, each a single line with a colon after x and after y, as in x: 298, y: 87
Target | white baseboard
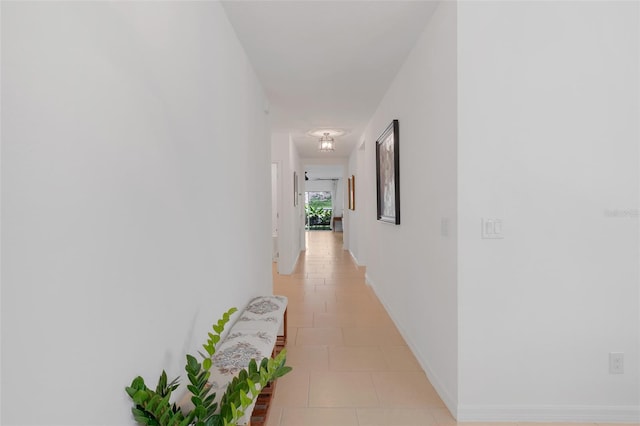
x: 541, y: 413
x: 433, y: 378
x: 355, y: 259
x: 288, y: 269
x: 368, y: 282
x: 516, y: 413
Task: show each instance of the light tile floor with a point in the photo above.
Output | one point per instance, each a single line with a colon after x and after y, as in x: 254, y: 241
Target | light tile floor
x: 351, y: 366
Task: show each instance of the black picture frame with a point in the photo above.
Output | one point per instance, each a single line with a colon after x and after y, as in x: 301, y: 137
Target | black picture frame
x: 388, y: 174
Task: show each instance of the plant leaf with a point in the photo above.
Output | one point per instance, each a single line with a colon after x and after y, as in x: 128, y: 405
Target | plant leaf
x: 244, y: 399
x: 206, y: 364
x: 140, y: 396
x: 282, y: 371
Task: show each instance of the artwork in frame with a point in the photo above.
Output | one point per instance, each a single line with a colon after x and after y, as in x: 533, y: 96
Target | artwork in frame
x: 349, y: 192
x: 352, y: 193
x: 388, y: 174
x: 295, y: 189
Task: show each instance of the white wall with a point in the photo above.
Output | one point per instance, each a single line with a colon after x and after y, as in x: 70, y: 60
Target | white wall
x: 548, y: 142
x: 412, y: 267
x: 355, y: 220
x: 291, y: 218
x: 127, y: 129
x: 352, y: 236
x: 274, y: 198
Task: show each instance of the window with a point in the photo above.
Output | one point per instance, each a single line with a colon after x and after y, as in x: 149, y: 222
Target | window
x: 318, y: 207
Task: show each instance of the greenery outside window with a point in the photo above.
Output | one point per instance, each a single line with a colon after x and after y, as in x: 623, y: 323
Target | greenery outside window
x: 318, y: 210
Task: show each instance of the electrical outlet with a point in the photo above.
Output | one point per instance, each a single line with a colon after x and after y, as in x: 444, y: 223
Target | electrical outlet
x: 444, y: 227
x: 491, y: 229
x: 616, y: 363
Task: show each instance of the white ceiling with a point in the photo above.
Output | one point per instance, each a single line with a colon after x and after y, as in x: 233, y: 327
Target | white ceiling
x: 326, y: 63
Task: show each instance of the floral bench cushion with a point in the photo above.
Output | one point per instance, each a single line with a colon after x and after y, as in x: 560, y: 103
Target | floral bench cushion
x: 252, y: 336
x: 262, y: 313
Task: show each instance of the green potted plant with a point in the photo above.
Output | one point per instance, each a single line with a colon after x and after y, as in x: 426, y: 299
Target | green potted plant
x: 154, y: 407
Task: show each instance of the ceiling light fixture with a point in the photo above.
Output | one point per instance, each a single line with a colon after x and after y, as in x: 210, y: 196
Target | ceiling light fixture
x: 327, y: 143
x: 321, y: 131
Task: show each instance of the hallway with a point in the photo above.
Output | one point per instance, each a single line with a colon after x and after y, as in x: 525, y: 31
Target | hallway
x: 350, y: 364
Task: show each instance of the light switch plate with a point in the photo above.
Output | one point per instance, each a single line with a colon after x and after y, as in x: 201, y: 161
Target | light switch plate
x: 616, y: 363
x: 491, y: 229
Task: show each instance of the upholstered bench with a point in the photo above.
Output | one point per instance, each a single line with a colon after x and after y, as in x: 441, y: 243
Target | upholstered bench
x: 259, y: 332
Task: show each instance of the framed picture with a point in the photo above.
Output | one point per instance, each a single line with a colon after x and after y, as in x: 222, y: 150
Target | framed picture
x: 295, y: 189
x: 388, y: 174
x: 352, y: 192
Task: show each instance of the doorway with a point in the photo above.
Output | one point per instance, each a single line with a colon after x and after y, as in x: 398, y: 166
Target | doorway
x: 318, y: 207
x: 274, y: 212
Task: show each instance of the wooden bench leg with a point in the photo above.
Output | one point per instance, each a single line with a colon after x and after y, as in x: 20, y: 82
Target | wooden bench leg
x: 260, y: 413
x: 281, y: 341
